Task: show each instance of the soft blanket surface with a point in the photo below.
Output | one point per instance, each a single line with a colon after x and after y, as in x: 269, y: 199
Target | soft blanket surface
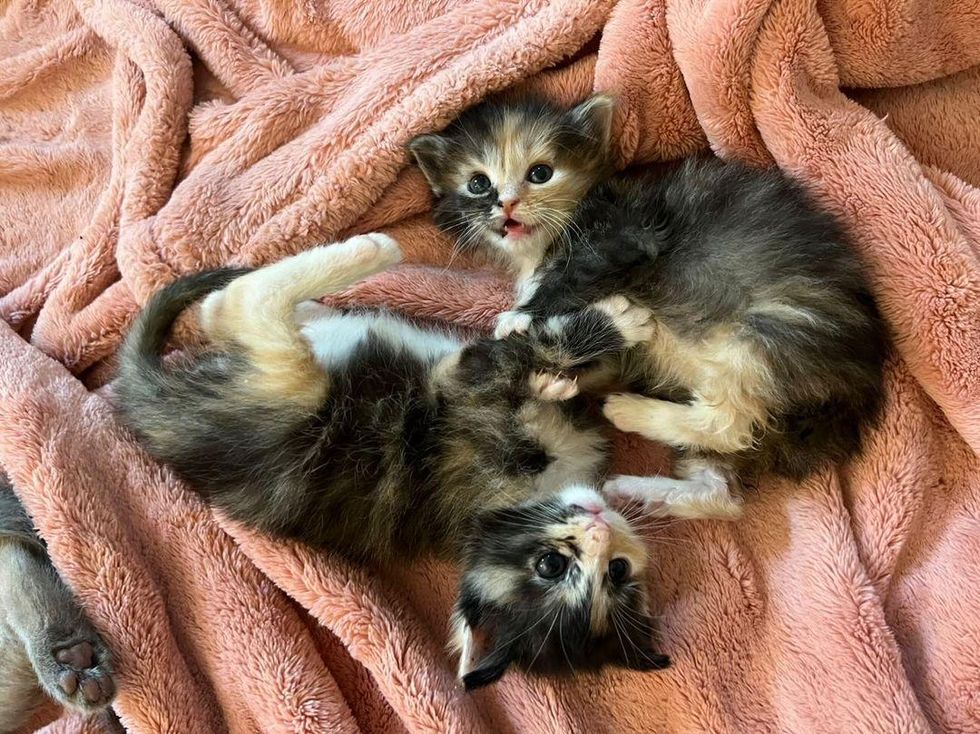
x: 142, y: 139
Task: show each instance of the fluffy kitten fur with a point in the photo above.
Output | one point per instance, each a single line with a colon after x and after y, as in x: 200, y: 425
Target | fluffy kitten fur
x: 47, y: 645
x: 504, y: 141
x: 767, y: 352
x: 767, y: 349
x: 379, y: 440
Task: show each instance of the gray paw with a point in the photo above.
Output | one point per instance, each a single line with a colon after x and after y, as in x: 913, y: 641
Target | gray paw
x: 76, y: 670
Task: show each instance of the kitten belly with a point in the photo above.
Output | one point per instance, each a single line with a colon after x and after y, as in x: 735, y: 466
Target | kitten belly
x: 730, y: 386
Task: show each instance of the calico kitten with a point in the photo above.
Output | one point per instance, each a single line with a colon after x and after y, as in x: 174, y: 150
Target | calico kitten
x: 508, y: 175
x: 47, y: 645
x: 366, y: 435
x: 767, y: 352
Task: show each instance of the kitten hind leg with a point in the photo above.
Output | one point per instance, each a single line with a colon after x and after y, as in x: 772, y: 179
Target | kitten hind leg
x: 697, y: 425
x: 258, y: 312
x: 20, y: 694
x: 69, y: 658
x: 702, y: 491
x: 41, y: 622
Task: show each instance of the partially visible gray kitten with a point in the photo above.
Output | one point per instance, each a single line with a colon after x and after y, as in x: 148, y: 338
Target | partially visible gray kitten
x: 47, y: 644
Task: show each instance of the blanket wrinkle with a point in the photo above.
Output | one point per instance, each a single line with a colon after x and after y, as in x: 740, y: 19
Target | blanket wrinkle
x: 144, y: 139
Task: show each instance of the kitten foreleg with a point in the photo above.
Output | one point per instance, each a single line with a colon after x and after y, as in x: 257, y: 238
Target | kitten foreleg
x: 603, y: 329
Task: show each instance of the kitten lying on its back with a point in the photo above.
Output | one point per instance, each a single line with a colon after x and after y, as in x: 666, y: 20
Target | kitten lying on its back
x: 46, y: 642
x: 366, y: 435
x: 767, y: 350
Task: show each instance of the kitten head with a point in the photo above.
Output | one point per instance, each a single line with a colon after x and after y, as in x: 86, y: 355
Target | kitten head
x: 509, y: 175
x: 555, y: 586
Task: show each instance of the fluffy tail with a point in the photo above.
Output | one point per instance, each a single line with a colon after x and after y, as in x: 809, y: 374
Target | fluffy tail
x: 141, y: 355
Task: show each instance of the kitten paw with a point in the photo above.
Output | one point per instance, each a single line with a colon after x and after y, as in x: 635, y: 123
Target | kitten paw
x: 633, y: 322
x: 375, y: 250
x: 553, y: 388
x: 77, y: 673
x: 511, y: 322
x: 629, y: 413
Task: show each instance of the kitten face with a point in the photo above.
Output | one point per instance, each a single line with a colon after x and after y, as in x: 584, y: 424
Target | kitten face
x: 508, y: 176
x: 555, y: 587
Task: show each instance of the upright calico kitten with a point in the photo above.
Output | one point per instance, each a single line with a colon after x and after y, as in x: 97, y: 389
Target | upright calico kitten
x: 507, y: 176
x: 47, y: 645
x: 366, y: 435
x: 767, y: 349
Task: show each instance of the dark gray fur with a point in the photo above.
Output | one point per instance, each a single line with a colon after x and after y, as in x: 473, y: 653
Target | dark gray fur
x: 698, y: 246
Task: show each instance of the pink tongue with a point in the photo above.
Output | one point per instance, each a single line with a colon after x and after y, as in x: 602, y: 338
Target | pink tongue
x: 513, y: 227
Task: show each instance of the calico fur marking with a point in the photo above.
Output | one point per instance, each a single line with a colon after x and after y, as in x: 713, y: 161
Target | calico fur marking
x: 256, y: 313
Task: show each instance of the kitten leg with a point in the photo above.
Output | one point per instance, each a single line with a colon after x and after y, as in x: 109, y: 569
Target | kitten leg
x: 703, y: 494
x: 553, y: 388
x: 516, y: 320
x: 68, y: 657
x: 20, y: 693
x: 257, y: 312
x: 696, y: 425
x: 511, y: 322
x: 600, y: 330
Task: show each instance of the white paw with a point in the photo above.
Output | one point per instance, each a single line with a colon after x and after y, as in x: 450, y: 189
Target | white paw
x: 719, y: 500
x: 553, y: 388
x: 511, y: 322
x: 629, y: 413
x: 628, y: 490
x: 374, y: 249
x: 635, y: 323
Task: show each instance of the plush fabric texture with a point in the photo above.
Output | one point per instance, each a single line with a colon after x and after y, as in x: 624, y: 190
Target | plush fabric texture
x: 142, y: 139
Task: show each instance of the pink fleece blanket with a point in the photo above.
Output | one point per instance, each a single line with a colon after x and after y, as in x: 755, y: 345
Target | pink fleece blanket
x: 141, y: 139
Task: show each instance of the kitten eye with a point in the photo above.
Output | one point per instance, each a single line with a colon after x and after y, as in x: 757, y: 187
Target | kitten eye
x: 539, y: 173
x: 479, y: 184
x: 551, y: 565
x: 619, y: 570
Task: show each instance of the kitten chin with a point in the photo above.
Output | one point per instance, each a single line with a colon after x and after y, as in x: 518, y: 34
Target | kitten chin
x: 507, y: 175
x: 568, y: 559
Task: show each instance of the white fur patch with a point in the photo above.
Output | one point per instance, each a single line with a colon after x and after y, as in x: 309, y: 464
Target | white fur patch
x: 334, y: 336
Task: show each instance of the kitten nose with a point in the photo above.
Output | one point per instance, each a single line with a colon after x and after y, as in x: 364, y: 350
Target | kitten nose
x: 508, y: 205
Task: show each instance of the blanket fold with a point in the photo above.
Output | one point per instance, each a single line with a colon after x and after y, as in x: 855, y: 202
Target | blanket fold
x: 144, y: 139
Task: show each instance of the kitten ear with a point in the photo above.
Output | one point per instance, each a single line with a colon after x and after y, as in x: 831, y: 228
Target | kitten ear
x: 477, y: 667
x: 431, y: 153
x: 638, y: 652
x: 593, y: 118
x: 489, y: 670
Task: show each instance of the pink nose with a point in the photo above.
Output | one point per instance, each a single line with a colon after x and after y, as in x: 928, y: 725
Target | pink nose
x: 509, y: 205
x: 596, y: 539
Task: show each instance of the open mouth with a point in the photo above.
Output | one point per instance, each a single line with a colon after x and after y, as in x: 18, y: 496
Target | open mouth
x: 514, y: 228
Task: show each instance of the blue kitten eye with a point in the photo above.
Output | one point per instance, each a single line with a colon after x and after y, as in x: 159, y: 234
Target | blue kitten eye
x: 539, y: 173
x: 552, y: 565
x: 479, y: 184
x: 619, y: 570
